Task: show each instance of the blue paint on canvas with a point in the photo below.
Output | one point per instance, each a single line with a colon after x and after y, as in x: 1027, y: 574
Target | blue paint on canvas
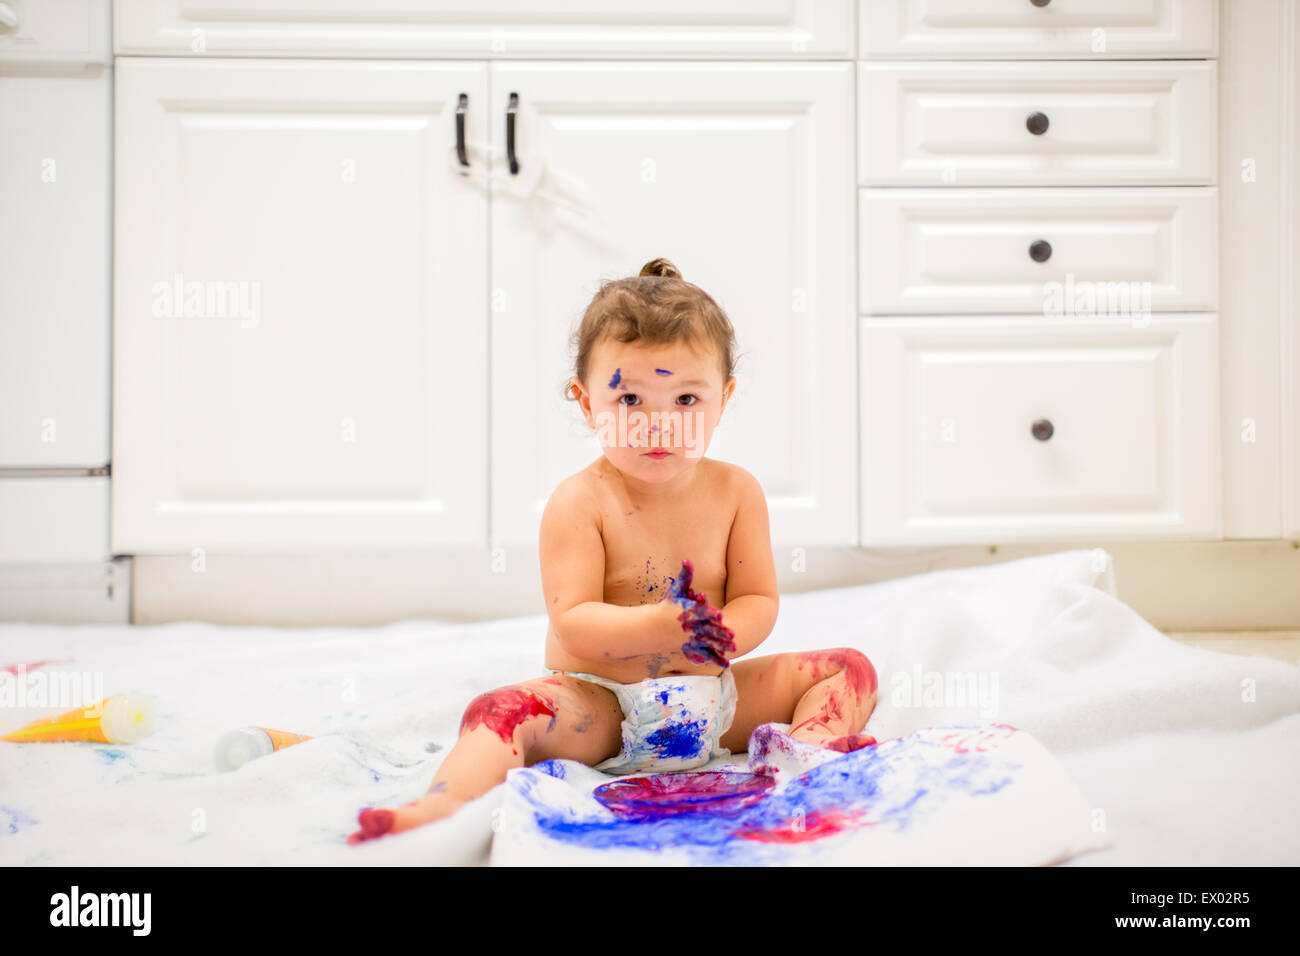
x: 891, y: 786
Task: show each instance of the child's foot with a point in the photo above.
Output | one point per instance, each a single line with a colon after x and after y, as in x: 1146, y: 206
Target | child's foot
x: 434, y: 805
x: 775, y: 752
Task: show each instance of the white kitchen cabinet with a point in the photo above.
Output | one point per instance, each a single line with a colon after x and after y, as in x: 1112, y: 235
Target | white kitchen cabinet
x: 774, y: 29
x: 738, y: 173
x: 963, y: 29
x: 300, y: 306
x: 55, y: 228
x: 1009, y: 429
x: 994, y: 250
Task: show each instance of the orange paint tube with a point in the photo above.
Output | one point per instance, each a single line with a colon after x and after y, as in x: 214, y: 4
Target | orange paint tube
x: 122, y: 719
x: 248, y: 743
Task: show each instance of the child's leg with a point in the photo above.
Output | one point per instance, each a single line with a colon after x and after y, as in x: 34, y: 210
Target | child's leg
x: 832, y: 711
x: 515, y: 726
x: 826, y: 697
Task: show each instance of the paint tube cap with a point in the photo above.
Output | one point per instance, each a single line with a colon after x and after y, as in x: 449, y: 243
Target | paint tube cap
x: 128, y: 718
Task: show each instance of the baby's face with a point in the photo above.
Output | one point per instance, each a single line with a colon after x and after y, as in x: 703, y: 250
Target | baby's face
x: 654, y: 408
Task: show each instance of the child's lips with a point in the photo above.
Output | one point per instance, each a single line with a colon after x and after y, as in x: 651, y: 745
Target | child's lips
x: 659, y: 453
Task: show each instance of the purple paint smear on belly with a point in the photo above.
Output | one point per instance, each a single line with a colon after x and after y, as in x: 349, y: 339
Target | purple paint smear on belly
x: 872, y: 787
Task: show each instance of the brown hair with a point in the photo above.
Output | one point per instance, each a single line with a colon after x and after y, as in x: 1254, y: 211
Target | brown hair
x: 656, y: 306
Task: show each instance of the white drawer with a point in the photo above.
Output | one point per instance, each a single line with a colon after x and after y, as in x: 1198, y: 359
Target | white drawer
x: 944, y: 251
x: 57, y: 31
x: 782, y: 29
x: 1037, y: 124
x: 949, y: 407
x: 50, y: 520
x: 1019, y: 28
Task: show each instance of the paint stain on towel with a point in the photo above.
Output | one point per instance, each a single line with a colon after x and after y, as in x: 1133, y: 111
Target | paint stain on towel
x: 504, y: 710
x: 12, y: 820
x: 112, y: 756
x: 15, y: 668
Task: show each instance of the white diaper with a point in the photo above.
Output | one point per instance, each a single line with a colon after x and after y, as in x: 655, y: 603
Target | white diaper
x: 670, y: 723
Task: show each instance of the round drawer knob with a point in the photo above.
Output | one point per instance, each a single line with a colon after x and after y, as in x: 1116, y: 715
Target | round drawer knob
x: 1037, y: 124
x: 1040, y: 3
x: 1042, y: 429
x: 1040, y: 250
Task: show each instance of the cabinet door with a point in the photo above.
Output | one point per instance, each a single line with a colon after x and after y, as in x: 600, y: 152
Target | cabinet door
x: 300, y: 353
x: 55, y: 225
x: 742, y: 175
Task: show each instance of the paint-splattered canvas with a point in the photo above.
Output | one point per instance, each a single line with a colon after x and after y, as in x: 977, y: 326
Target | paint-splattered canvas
x: 987, y: 794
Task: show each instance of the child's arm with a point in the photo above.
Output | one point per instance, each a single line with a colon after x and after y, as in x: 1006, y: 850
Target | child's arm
x: 572, y: 556
x: 751, y: 595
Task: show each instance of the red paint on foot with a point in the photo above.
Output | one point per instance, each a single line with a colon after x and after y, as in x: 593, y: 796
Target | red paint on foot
x: 504, y: 710
x: 374, y: 823
x: 818, y: 824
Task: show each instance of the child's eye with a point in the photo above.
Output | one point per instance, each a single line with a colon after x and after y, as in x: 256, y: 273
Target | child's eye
x: 627, y: 395
x: 692, y: 401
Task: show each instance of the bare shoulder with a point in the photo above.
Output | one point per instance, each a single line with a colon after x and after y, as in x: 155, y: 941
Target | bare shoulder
x: 738, y: 484
x: 575, y: 496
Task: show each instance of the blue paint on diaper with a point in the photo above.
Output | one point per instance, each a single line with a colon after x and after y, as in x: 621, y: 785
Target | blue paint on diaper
x: 677, y: 738
x: 662, y: 696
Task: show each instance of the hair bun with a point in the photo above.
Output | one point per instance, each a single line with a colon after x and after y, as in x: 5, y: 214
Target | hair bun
x: 662, y: 268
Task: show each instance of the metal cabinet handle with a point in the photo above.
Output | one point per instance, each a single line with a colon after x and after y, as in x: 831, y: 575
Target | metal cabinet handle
x: 461, y: 107
x: 511, y: 110
x: 1042, y: 429
x: 1040, y: 250
x: 1037, y: 123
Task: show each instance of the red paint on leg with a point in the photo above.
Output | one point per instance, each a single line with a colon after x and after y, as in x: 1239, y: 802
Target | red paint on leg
x: 858, y: 670
x: 859, y: 676
x: 850, y: 742
x: 504, y: 710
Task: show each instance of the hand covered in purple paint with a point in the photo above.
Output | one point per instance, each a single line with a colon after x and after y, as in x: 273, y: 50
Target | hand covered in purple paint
x: 710, y: 638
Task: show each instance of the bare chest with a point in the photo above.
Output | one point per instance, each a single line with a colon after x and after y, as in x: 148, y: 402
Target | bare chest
x: 644, y: 551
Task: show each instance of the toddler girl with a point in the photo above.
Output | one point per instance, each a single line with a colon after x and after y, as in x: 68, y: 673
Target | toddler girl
x: 657, y: 574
